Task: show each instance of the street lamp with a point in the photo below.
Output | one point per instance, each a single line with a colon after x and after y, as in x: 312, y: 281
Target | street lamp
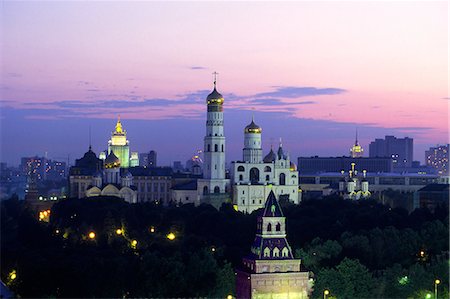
x: 119, y: 231
x: 436, y: 282
x: 428, y: 296
x: 91, y: 235
x: 325, y: 294
x: 171, y: 236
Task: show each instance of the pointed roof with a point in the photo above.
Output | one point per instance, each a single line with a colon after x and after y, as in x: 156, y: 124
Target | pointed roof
x: 272, y: 207
x: 280, y: 151
x: 119, y: 128
x: 214, y: 97
x: 112, y: 160
x: 270, y: 157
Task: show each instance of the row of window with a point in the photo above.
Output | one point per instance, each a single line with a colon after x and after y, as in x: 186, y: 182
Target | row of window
x: 266, y: 169
x: 216, y: 148
x: 276, y: 252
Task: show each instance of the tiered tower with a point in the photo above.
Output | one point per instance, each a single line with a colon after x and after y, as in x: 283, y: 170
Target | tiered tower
x: 252, y: 151
x: 271, y: 271
x: 356, y: 151
x: 120, y: 145
x: 214, y: 183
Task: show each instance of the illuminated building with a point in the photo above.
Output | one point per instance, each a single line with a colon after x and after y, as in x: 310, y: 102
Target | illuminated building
x: 254, y: 177
x: 120, y: 146
x: 400, y: 150
x: 270, y: 270
x: 354, y: 186
x: 356, y: 151
x: 213, y: 187
x: 438, y: 157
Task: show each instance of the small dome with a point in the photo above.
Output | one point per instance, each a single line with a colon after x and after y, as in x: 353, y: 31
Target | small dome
x: 253, y: 128
x: 112, y: 161
x: 293, y: 167
x: 90, y: 154
x: 214, y: 97
x: 270, y: 157
x: 126, y: 174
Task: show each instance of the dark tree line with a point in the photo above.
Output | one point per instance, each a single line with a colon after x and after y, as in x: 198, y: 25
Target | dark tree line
x: 355, y: 250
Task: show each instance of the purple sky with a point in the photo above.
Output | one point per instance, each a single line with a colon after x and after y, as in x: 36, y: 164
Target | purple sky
x: 311, y: 72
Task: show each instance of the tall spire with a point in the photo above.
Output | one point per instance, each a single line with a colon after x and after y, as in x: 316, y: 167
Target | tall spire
x: 356, y: 139
x: 119, y: 125
x: 90, y: 140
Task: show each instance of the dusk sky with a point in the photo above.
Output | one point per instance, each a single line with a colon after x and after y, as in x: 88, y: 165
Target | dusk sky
x: 310, y: 72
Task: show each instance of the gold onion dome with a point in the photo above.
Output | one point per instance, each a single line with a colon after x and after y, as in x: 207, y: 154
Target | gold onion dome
x: 214, y: 97
x: 253, y: 128
x: 112, y: 161
x: 292, y: 166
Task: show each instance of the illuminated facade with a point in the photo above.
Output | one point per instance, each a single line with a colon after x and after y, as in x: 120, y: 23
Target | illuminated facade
x: 438, y: 158
x: 354, y: 186
x: 120, y: 146
x: 356, y: 151
x: 254, y: 177
x: 271, y: 271
x: 213, y: 187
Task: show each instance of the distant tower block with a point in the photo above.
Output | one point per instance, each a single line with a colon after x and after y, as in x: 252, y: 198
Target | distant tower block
x: 120, y: 145
x: 356, y: 151
x: 270, y: 270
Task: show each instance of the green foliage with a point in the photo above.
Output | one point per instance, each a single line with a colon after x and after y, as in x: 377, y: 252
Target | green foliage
x: 349, y: 279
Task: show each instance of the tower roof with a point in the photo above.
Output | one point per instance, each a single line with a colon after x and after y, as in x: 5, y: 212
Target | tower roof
x: 112, y: 161
x: 214, y: 97
x: 270, y: 157
x: 280, y: 151
x: 272, y: 207
x: 253, y: 128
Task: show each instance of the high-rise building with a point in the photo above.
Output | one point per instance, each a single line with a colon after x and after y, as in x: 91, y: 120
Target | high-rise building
x: 356, y: 151
x: 400, y: 150
x: 213, y: 188
x: 152, y: 159
x: 120, y: 146
x: 438, y: 157
x: 271, y: 271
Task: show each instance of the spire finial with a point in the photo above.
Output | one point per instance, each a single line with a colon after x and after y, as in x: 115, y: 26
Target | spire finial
x: 90, y: 140
x: 215, y: 78
x: 356, y: 140
x: 281, y: 143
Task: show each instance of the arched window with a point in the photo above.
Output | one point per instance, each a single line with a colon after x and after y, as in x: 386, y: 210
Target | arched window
x: 285, y: 252
x: 267, y: 178
x: 278, y: 227
x: 276, y: 252
x: 216, y: 148
x: 209, y: 147
x: 222, y: 147
x: 241, y: 177
x: 267, y: 169
x: 269, y: 227
x: 241, y: 168
x: 216, y: 189
x: 266, y: 252
x: 254, y: 175
x: 205, y: 190
x: 282, y: 179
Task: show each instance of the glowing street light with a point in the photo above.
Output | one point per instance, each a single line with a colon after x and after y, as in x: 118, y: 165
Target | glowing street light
x: 91, y: 235
x: 230, y: 297
x: 119, y: 231
x: 171, y: 236
x: 436, y: 282
x: 428, y: 296
x: 325, y: 294
x: 13, y: 275
x: 134, y: 244
x: 152, y: 229
x: 213, y: 249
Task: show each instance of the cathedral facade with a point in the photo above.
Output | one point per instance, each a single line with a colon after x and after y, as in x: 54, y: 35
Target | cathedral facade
x: 255, y: 177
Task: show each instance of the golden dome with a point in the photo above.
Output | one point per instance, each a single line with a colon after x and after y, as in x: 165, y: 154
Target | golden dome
x: 253, y: 128
x: 214, y: 97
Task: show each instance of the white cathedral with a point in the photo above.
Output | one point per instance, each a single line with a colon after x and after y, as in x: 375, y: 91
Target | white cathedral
x: 251, y: 179
x: 254, y: 177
